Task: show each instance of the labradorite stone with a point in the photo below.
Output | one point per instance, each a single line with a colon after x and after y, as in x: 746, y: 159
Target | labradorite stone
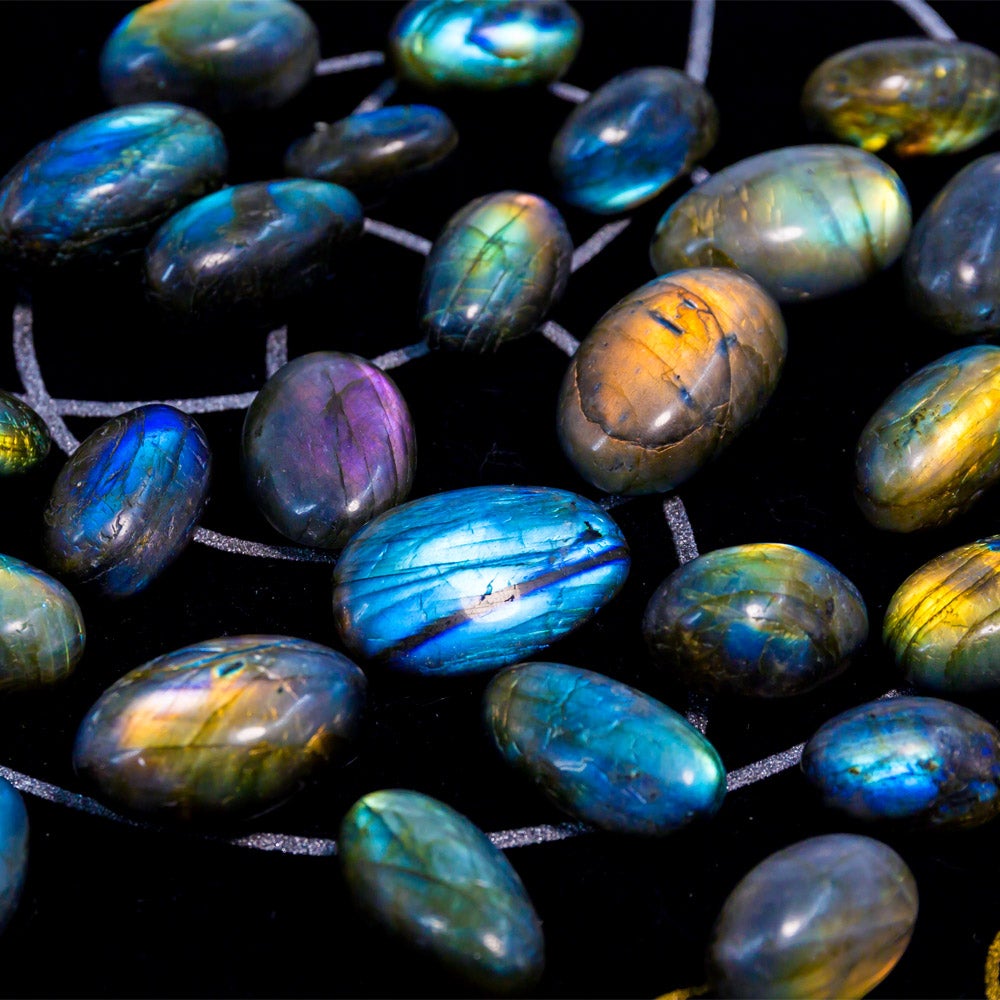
x: 14, y: 839
x: 24, y: 438
x: 434, y: 881
x: 668, y: 377
x: 805, y: 221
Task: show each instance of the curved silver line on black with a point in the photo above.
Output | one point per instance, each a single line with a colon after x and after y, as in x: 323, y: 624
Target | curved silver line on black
x: 928, y: 18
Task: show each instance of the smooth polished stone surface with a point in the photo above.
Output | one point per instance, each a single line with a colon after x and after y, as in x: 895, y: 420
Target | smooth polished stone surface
x: 805, y: 221
x: 128, y: 500
x: 920, y: 761
x: 933, y: 446
x: 104, y: 184
x: 668, y: 377
x: 476, y: 578
x: 220, y: 55
x: 602, y: 751
x: 431, y: 878
x: 328, y: 443
x: 632, y: 137
x: 14, y: 843
x: 763, y: 619
x: 910, y: 95
x: 498, y: 266
x: 824, y: 919
x: 24, y: 438
x: 484, y: 44
x: 224, y: 729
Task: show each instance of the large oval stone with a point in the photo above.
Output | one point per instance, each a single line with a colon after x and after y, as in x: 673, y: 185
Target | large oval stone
x: 14, y: 841
x: 475, y: 578
x: 24, y: 438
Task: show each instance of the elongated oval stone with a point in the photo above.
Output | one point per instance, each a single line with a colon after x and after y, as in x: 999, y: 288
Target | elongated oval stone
x: 911, y: 95
x: 127, y: 501
x: 104, y: 184
x: 432, y: 879
x: 14, y: 841
x: 919, y: 761
x: 767, y: 620
x: 668, y: 377
x: 933, y: 446
x: 472, y: 579
x: 224, y: 729
x: 805, y: 221
x: 602, y: 751
x: 632, y: 137
x: 24, y: 438
x: 827, y: 917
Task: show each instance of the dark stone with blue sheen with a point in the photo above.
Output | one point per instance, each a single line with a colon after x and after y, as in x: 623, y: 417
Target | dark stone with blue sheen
x: 14, y: 833
x: 128, y: 500
x: 476, y: 578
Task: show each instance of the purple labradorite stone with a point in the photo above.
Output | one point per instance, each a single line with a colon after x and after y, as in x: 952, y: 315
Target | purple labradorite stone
x: 328, y: 443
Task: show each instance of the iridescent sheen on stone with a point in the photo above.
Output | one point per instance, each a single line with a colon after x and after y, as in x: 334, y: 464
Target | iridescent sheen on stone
x: 434, y: 881
x: 476, y: 578
x: 632, y: 137
x: 104, y: 184
x: 920, y: 762
x: 668, y: 377
x: 602, y: 751
x: 493, y: 273
x: 14, y: 832
x: 223, y: 729
x: 24, y: 438
x: 328, y: 443
x: 805, y: 221
x: 766, y: 619
x: 828, y: 917
x: 220, y: 55
x: 128, y: 500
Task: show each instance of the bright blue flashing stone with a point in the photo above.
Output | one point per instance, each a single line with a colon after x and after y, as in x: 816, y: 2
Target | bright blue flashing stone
x: 13, y: 850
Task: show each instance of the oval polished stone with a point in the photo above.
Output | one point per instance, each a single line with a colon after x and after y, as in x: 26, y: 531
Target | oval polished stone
x: 221, y: 55
x: 933, y: 446
x: 475, y: 578
x: 493, y: 273
x: 766, y: 619
x: 805, y: 221
x: 104, y: 184
x: 328, y: 443
x: 602, y: 751
x: 632, y: 137
x: 128, y: 500
x: 911, y: 95
x: 14, y: 841
x: 828, y: 917
x: 224, y: 729
x: 484, y: 44
x: 920, y: 761
x: 432, y: 879
x: 668, y: 377
x: 24, y: 438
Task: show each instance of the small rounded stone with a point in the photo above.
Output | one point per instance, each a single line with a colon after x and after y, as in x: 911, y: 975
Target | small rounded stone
x: 24, y: 438
x: 14, y: 843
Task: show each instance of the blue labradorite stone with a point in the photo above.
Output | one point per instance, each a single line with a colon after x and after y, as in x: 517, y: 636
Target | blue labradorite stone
x: 103, y: 185
x: 128, y: 500
x: 920, y: 761
x: 24, y: 438
x: 604, y: 752
x: 633, y: 136
x: 827, y: 917
x: 476, y: 578
x: 220, y: 55
x: 13, y: 850
x: 433, y: 880
x: 224, y: 729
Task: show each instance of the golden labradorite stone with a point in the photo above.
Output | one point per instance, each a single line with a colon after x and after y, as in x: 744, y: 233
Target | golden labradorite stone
x: 24, y: 438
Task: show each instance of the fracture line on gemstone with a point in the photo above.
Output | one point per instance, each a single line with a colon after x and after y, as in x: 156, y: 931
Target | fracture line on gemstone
x: 700, y: 39
x: 928, y: 19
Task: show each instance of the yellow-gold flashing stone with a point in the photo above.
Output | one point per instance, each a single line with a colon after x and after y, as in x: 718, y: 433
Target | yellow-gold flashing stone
x: 24, y: 438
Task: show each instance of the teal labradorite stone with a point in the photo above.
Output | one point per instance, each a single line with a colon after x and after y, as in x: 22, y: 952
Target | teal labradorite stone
x: 827, y: 917
x: 922, y: 762
x: 602, y: 751
x: 14, y: 833
x: 633, y: 136
x: 766, y: 620
x: 476, y: 578
x: 805, y: 221
x: 104, y: 184
x: 24, y: 438
x: 224, y: 729
x: 433, y: 880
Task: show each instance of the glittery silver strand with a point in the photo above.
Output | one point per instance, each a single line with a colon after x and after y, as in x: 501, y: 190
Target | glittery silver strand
x: 276, y: 350
x: 614, y: 500
x: 567, y: 92
x: 527, y: 836
x: 343, y: 64
x: 393, y: 359
x: 591, y: 247
x: 377, y: 97
x: 697, y: 711
x: 765, y: 768
x: 928, y: 19
x: 699, y: 175
x: 562, y: 338
x: 285, y: 843
x: 204, y: 404
x: 680, y: 529
x: 243, y: 547
x: 700, y: 39
x: 400, y: 236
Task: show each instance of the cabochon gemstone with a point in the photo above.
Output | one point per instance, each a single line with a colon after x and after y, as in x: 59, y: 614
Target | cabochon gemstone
x: 476, y: 578
x: 14, y: 837
x: 828, y: 917
x: 668, y: 377
x: 221, y: 730
x: 805, y: 221
x: 432, y: 879
x: 127, y: 501
x: 602, y: 751
x: 24, y: 438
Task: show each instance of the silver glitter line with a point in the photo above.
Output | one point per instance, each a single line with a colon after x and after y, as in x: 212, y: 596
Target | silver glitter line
x: 697, y: 711
x: 567, y: 92
x: 377, y: 97
x: 528, y: 836
x: 243, y: 547
x: 286, y: 843
x: 344, y: 64
x: 276, y: 350
x: 591, y: 247
x: 613, y: 500
x: 680, y: 529
x: 699, y: 175
x: 394, y: 359
x: 395, y: 235
x: 112, y: 408
x: 700, y: 39
x: 928, y: 19
x: 896, y: 693
x: 561, y: 337
x: 765, y: 768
